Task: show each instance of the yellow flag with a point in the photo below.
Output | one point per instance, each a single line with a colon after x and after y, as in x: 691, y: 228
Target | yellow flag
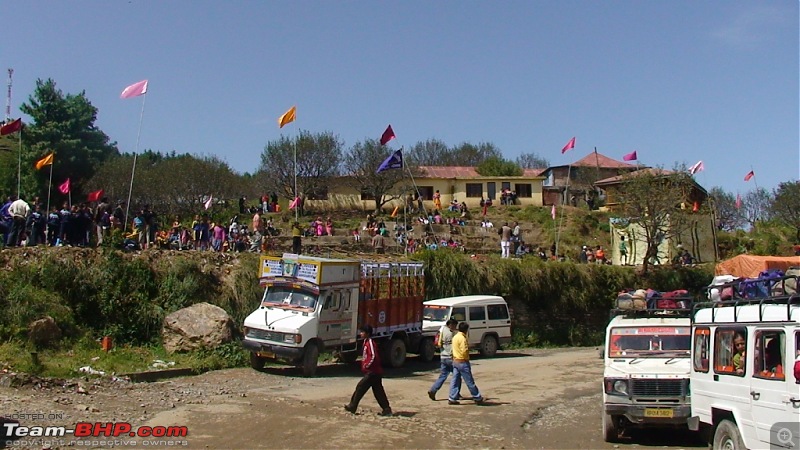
x: 287, y: 117
x: 46, y: 161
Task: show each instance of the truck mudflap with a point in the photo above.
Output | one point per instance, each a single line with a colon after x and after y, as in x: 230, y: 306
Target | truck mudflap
x: 651, y: 414
x: 272, y: 351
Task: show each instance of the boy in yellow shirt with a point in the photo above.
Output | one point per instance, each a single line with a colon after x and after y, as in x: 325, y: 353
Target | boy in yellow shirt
x: 462, y: 367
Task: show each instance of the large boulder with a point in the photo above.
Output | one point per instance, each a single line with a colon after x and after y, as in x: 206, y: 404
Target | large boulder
x: 202, y: 325
x: 44, y: 331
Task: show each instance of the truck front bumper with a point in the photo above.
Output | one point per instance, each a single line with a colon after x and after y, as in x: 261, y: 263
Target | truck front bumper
x: 271, y: 350
x: 650, y: 414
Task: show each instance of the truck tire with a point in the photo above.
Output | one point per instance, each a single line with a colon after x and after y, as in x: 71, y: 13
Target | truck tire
x: 257, y: 362
x: 427, y: 351
x: 727, y: 436
x: 310, y: 357
x: 395, y: 353
x: 610, y: 430
x: 488, y: 346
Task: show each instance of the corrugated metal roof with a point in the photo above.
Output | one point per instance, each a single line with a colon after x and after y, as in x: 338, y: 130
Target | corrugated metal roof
x: 465, y: 172
x: 600, y: 160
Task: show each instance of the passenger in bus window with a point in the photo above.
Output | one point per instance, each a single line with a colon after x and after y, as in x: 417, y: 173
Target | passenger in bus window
x: 739, y: 356
x: 773, y: 361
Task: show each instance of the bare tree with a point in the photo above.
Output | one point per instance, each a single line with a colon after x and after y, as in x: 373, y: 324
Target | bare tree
x: 532, y: 161
x: 786, y: 206
x: 729, y: 217
x: 360, y: 165
x: 756, y: 206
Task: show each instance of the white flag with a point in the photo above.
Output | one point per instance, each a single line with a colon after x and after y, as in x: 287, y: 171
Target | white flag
x: 698, y: 167
x: 208, y: 202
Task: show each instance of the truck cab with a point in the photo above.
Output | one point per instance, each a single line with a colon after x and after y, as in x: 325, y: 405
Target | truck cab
x: 746, y: 372
x: 646, y: 370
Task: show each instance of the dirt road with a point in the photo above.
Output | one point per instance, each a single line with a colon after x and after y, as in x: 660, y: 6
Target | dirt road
x: 536, y: 399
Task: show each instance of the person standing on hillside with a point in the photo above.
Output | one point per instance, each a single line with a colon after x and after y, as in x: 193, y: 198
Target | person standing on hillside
x: 19, y: 210
x: 297, y: 234
x: 379, y: 242
x: 462, y: 368
x: 373, y: 375
x: 445, y: 343
x: 505, y: 241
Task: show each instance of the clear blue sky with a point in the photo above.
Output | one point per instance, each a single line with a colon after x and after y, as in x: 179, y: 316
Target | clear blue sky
x: 678, y: 81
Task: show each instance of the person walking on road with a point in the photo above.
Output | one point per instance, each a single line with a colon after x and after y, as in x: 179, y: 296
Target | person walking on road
x: 446, y: 334
x: 462, y: 368
x: 373, y: 376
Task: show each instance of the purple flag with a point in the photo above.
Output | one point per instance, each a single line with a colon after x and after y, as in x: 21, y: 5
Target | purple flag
x: 394, y: 161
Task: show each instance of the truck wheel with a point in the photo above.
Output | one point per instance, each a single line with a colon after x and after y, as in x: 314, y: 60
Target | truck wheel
x: 396, y: 353
x: 257, y: 362
x: 488, y: 346
x: 727, y: 436
x: 427, y: 350
x: 610, y: 430
x: 310, y: 357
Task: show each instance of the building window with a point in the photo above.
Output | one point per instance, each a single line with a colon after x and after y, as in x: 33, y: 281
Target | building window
x: 523, y: 190
x: 426, y: 192
x: 505, y: 185
x: 318, y: 193
x: 475, y: 190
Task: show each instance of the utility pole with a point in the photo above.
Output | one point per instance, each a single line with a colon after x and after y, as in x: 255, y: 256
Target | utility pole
x: 8, y: 96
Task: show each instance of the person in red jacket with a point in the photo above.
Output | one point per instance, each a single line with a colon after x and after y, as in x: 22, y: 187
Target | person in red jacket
x: 373, y: 375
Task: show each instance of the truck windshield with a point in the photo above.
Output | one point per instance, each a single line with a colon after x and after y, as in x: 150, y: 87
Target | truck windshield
x: 435, y: 313
x: 289, y: 297
x: 648, y: 341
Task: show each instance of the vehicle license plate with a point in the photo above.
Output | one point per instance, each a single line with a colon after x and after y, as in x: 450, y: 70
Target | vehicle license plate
x: 658, y: 412
x: 272, y: 355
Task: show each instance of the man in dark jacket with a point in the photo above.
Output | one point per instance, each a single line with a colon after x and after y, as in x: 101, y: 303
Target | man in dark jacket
x: 373, y: 375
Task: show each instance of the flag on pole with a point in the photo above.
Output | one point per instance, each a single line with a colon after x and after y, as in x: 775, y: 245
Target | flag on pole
x: 209, y: 202
x: 134, y: 90
x: 749, y: 175
x: 11, y: 127
x: 394, y: 161
x: 287, y: 117
x: 46, y: 161
x: 553, y: 212
x: 95, y: 196
x: 738, y: 201
x: 294, y: 203
x: 697, y: 167
x: 630, y: 156
x: 387, y: 135
x: 570, y: 145
x: 64, y: 187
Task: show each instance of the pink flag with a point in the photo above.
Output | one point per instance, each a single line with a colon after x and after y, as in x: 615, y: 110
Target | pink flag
x: 209, y: 201
x: 749, y: 175
x: 294, y: 203
x: 697, y: 167
x: 738, y: 201
x: 134, y: 90
x: 553, y: 212
x: 64, y: 187
x: 570, y: 145
x: 630, y: 156
x: 95, y: 196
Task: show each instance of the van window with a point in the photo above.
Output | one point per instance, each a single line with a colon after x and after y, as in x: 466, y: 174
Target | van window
x: 726, y: 349
x: 797, y: 357
x: 770, y: 346
x: 459, y: 314
x: 701, y: 346
x: 497, y: 312
x: 435, y: 313
x: 477, y: 313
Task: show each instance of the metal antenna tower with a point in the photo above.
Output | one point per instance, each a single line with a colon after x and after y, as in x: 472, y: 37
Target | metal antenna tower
x: 8, y: 97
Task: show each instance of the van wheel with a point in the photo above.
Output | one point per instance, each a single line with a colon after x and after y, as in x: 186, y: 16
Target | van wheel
x: 310, y: 357
x: 610, y: 430
x: 727, y: 436
x: 396, y: 353
x: 257, y: 362
x: 488, y: 346
x: 427, y: 350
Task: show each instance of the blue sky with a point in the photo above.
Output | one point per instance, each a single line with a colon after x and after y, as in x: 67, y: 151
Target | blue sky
x: 678, y: 81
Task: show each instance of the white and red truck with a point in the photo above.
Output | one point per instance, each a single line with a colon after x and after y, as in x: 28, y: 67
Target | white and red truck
x: 312, y: 305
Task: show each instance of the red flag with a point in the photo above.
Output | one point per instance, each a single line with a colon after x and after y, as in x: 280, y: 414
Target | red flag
x: 95, y: 196
x: 570, y: 145
x: 749, y: 175
x: 630, y: 156
x: 64, y: 187
x: 11, y: 127
x: 134, y: 90
x: 387, y: 135
x: 738, y: 201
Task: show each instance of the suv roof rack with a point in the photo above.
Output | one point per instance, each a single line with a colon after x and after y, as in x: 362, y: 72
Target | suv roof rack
x: 652, y: 313
x: 788, y: 300
x: 743, y: 283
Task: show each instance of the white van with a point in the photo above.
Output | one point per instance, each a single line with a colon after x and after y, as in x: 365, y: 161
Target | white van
x: 746, y: 372
x: 487, y: 315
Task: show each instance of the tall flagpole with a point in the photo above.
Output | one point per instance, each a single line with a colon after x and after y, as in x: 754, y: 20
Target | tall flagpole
x: 561, y: 220
x: 19, y: 163
x: 133, y: 171
x: 50, y: 185
x: 405, y: 203
x: 296, y: 194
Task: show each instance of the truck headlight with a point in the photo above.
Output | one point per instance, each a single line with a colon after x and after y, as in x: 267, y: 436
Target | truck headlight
x: 292, y: 338
x: 621, y: 386
x: 616, y: 386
